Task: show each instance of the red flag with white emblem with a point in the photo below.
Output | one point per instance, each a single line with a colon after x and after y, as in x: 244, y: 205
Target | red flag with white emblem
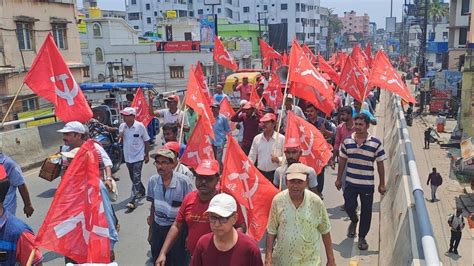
x: 76, y: 225
x: 199, y: 145
x: 385, y: 76
x: 50, y: 78
x: 268, y: 53
x: 326, y: 68
x: 222, y: 56
x: 272, y: 94
x: 311, y: 56
x: 368, y: 53
x: 316, y: 150
x: 202, y: 82
x: 196, y: 99
x: 227, y: 111
x: 249, y: 187
x: 353, y: 80
x: 141, y: 106
x: 360, y: 58
x: 255, y: 100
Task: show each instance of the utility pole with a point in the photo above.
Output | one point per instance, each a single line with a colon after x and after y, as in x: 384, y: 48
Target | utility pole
x: 260, y: 29
x: 424, y: 29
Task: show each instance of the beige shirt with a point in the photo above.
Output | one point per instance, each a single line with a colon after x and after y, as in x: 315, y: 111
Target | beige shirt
x: 263, y: 149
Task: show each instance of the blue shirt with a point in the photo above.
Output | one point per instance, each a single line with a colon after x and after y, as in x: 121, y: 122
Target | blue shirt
x: 219, y: 97
x: 364, y: 111
x: 360, y: 160
x: 221, y: 129
x: 113, y: 235
x: 182, y: 148
x: 167, y: 200
x: 15, y: 177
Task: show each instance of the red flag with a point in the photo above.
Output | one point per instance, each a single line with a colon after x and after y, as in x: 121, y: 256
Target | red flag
x: 50, y: 78
x: 383, y: 75
x: 326, y: 68
x: 368, y: 53
x: 360, y: 58
x: 312, y: 86
x: 316, y: 150
x: 332, y: 59
x: 353, y: 80
x: 249, y: 187
x: 272, y: 94
x: 202, y: 82
x: 255, y: 100
x: 141, y: 105
x: 195, y: 99
x: 222, y: 56
x: 227, y: 111
x: 274, y: 65
x: 268, y: 53
x: 284, y: 58
x: 76, y: 225
x: 309, y: 54
x: 199, y: 145
x: 341, y: 60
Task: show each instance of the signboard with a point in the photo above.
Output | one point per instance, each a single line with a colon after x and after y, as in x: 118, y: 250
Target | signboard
x: 390, y: 24
x: 178, y: 46
x: 171, y: 14
x: 212, y: 2
x: 208, y: 26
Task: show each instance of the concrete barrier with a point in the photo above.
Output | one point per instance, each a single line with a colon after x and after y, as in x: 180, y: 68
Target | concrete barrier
x: 30, y: 146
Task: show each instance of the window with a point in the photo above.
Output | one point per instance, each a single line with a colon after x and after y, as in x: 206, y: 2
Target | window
x: 148, y: 20
x: 96, y: 30
x: 465, y: 7
x: 147, y: 6
x: 303, y: 8
x: 191, y: 13
x: 136, y: 27
x: 133, y: 2
x: 284, y: 6
x: 462, y: 36
x: 297, y: 7
x: 200, y: 12
x: 265, y: 7
x: 297, y: 20
x: 29, y: 104
x: 246, y: 9
x: 59, y: 34
x: 134, y: 16
x: 219, y: 10
x: 155, y: 13
x: 177, y: 72
x: 24, y: 35
x: 284, y: 20
x: 85, y: 72
x: 128, y: 71
x: 99, y: 55
x: 188, y: 36
x: 445, y: 35
x: 101, y: 78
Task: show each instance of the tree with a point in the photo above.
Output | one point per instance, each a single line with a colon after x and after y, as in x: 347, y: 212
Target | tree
x: 437, y: 10
x: 334, y: 27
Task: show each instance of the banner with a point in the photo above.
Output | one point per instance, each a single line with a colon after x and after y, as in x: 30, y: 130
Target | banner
x: 208, y: 31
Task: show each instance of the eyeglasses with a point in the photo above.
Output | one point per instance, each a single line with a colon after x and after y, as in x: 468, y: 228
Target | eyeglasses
x: 222, y: 220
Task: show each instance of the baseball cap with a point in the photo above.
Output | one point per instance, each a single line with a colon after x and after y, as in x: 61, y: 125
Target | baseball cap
x: 268, y: 117
x: 289, y: 96
x: 172, y: 98
x: 73, y: 126
x: 172, y: 146
x: 292, y: 143
x: 70, y: 154
x: 164, y: 153
x: 128, y: 111
x: 297, y: 171
x: 247, y: 106
x: 223, y: 205
x: 243, y: 102
x: 207, y: 167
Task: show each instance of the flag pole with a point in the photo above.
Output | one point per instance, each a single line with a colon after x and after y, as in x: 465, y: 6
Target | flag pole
x: 180, y: 139
x: 13, y: 102
x: 31, y: 257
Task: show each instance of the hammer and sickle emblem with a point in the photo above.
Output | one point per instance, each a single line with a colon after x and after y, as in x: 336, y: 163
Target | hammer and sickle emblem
x: 67, y: 94
x: 248, y: 192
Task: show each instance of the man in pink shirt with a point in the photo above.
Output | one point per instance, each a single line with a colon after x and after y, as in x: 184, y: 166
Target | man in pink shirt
x: 345, y: 129
x: 245, y: 89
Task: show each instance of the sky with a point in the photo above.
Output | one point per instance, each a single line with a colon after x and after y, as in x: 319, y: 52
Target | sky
x: 376, y: 9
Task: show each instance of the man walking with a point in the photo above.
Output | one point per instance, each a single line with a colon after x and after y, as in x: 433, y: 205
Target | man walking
x: 225, y: 245
x: 427, y: 135
x: 135, y: 150
x: 250, y: 121
x: 221, y: 128
x: 436, y: 181
x: 298, y: 219
x: 245, y: 89
x: 166, y: 191
x: 456, y: 222
x: 267, y: 147
x: 357, y: 156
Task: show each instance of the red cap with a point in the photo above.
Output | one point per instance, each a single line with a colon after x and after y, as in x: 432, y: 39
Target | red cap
x: 292, y: 143
x: 172, y: 145
x: 172, y: 98
x: 207, y: 167
x: 268, y: 117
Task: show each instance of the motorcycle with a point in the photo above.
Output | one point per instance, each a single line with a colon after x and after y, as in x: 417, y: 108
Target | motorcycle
x: 109, y: 141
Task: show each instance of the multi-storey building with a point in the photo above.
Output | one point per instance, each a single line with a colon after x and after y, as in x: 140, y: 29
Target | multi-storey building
x: 351, y: 23
x: 458, y: 30
x: 23, y: 28
x: 303, y: 18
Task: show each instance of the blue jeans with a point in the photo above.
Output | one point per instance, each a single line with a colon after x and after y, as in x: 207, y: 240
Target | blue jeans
x: 135, y: 172
x: 366, y: 196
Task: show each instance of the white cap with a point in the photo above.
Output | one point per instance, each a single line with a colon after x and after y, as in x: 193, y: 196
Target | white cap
x: 74, y: 126
x: 243, y: 102
x: 223, y: 205
x: 128, y: 111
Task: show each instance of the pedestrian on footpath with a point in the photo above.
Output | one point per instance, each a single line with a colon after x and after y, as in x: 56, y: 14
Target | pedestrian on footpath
x: 293, y: 153
x: 298, y: 219
x: 225, y: 245
x: 16, y: 237
x: 136, y: 146
x: 357, y: 156
x: 456, y: 222
x: 221, y: 128
x: 166, y: 192
x: 250, y: 119
x: 267, y: 147
x: 436, y: 181
x: 192, y: 216
x: 12, y: 171
x: 427, y: 135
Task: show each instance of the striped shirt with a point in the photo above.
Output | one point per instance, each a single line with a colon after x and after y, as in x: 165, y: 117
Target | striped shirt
x: 360, y: 160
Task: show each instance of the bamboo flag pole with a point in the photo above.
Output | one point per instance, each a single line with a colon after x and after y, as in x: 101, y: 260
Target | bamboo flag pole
x: 31, y: 257
x: 13, y: 102
x: 181, y: 131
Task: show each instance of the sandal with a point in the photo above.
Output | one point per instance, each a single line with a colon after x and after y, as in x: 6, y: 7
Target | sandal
x: 363, y: 244
x: 131, y: 206
x: 351, y: 231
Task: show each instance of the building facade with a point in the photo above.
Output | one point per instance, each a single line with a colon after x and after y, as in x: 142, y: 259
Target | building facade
x: 458, y: 31
x: 351, y: 23
x: 467, y: 90
x: 23, y: 29
x: 303, y: 18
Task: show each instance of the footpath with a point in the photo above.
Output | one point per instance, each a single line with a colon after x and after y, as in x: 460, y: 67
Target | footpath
x: 448, y: 193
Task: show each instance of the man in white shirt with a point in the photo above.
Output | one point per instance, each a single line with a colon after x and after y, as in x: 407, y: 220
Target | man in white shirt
x: 135, y: 150
x: 171, y: 114
x: 267, y: 147
x: 289, y: 106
